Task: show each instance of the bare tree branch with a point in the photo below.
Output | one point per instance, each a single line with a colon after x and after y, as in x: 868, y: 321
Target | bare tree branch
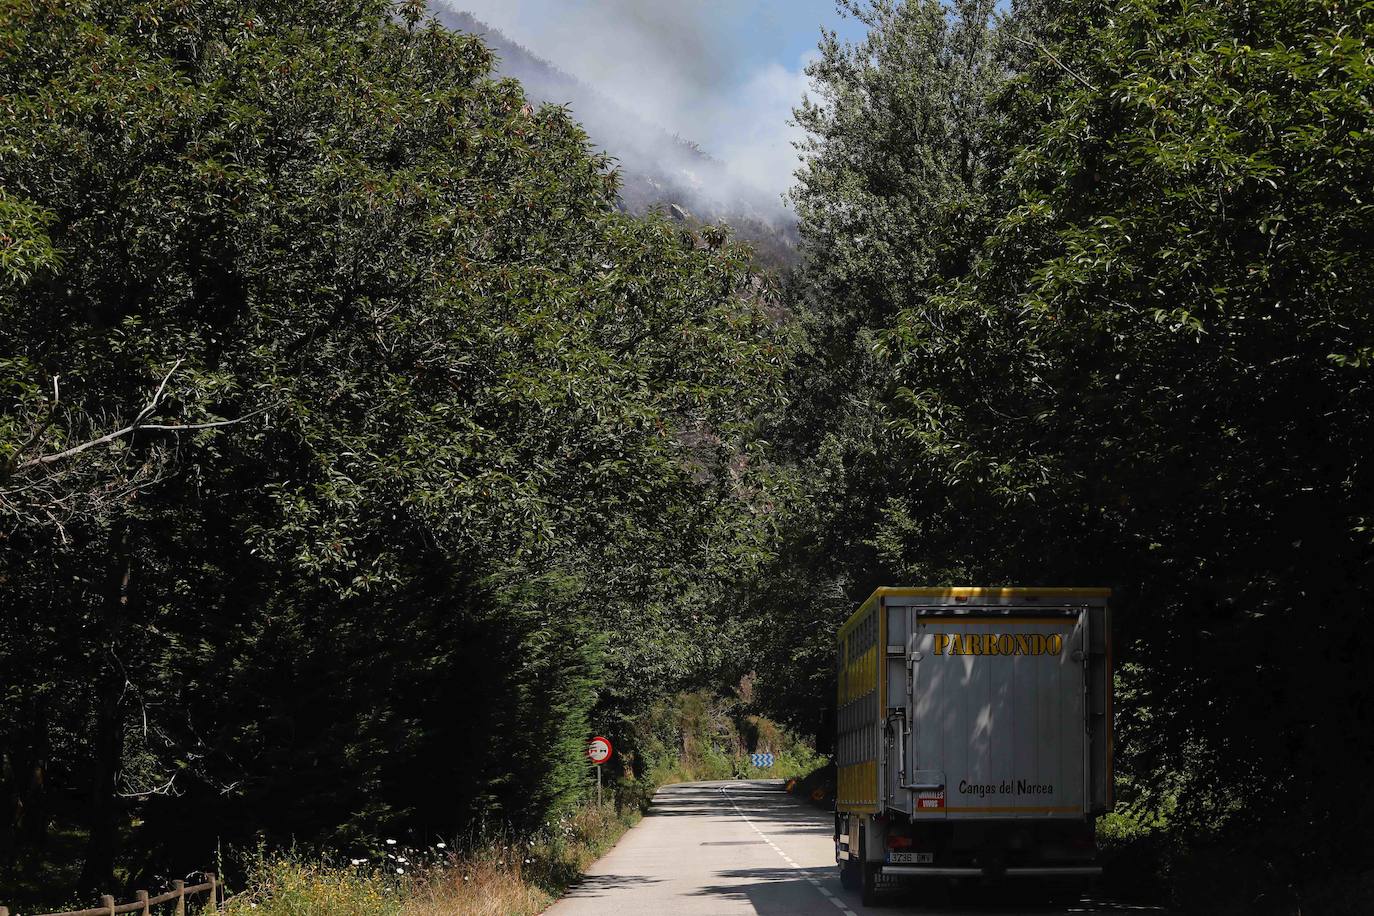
x: 110, y: 437
x: 61, y: 531
x: 157, y: 396
x: 50, y: 490
x: 166, y: 788
x: 1062, y: 66
x: 211, y: 425
x: 75, y: 450
x: 132, y: 428
x: 41, y: 428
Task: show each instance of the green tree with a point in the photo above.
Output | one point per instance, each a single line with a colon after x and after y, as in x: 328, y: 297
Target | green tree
x: 1151, y: 372
x: 895, y: 197
x: 1188, y: 266
x: 486, y: 442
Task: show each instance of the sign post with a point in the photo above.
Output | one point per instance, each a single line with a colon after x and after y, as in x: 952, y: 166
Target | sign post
x: 598, y: 752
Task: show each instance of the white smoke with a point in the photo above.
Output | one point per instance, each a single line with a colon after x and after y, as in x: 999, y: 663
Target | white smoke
x: 672, y: 64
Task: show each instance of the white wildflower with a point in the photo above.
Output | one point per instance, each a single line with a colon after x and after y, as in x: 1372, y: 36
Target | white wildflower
x: 391, y: 842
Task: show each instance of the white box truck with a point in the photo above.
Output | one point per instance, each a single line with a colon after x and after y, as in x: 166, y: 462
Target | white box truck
x: 974, y: 736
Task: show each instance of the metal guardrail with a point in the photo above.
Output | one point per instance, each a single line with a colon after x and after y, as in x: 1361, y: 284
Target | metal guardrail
x: 143, y: 905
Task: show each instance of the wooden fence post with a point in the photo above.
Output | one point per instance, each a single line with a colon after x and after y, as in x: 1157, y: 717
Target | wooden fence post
x: 107, y: 901
x: 142, y: 897
x: 180, y: 888
x: 214, y: 889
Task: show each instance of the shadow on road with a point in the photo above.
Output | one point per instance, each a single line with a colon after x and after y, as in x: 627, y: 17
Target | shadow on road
x: 759, y: 801
x: 693, y: 854
x: 601, y: 885
x: 788, y: 891
x: 1000, y: 902
x: 766, y: 890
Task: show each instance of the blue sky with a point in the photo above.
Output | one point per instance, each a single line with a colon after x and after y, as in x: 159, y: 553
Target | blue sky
x: 784, y: 30
x: 724, y: 73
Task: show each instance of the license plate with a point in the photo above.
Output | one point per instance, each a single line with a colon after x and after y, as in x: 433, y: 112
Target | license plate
x: 912, y: 858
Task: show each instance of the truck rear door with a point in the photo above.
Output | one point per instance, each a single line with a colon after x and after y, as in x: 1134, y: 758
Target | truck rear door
x: 999, y: 714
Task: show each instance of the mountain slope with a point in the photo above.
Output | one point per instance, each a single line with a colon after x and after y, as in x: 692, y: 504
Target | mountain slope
x: 657, y: 169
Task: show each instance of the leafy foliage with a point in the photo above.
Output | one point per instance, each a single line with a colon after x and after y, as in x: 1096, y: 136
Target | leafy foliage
x: 478, y: 422
x: 349, y: 427
x: 895, y: 196
x: 1137, y: 363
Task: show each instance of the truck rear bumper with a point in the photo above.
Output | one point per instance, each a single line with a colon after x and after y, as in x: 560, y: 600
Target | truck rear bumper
x: 1037, y: 871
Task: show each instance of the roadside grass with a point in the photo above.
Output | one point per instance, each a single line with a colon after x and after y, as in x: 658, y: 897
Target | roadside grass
x: 499, y: 878
x: 687, y: 738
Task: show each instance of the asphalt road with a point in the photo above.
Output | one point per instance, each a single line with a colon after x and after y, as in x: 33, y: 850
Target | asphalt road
x: 725, y: 848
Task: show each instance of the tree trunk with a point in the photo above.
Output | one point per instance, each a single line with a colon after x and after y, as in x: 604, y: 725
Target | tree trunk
x: 107, y: 752
x: 14, y: 804
x: 107, y: 755
x: 34, y: 780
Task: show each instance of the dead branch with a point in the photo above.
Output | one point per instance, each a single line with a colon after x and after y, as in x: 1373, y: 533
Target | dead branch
x: 132, y: 428
x: 157, y: 396
x: 1062, y: 66
x: 50, y: 490
x: 43, y: 427
x: 167, y: 788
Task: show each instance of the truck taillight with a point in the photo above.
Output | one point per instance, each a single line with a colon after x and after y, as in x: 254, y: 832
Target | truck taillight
x: 898, y: 842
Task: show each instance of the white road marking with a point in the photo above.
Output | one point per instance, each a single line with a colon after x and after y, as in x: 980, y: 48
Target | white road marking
x: 843, y: 907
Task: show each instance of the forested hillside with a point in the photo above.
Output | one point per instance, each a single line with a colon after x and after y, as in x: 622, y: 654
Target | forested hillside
x: 657, y: 169
x: 360, y: 456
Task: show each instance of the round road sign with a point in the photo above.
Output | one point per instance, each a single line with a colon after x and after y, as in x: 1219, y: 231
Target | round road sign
x: 599, y: 750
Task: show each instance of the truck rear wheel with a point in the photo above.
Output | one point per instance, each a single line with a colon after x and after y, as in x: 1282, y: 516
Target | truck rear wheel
x: 849, y: 867
x: 850, y: 879
x: 869, y: 892
x: 1065, y: 891
x: 868, y: 874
